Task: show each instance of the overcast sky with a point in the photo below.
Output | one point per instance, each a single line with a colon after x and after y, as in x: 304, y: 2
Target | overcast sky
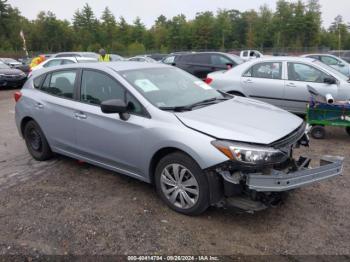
x: 149, y: 10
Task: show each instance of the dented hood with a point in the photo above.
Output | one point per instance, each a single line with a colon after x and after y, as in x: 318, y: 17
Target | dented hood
x: 242, y: 119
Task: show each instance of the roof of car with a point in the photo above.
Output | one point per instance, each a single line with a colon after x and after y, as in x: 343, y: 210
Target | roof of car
x: 282, y: 58
x: 115, y: 66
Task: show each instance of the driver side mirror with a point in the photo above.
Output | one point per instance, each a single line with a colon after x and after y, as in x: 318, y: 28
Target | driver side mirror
x: 329, y: 80
x: 341, y: 64
x: 115, y: 106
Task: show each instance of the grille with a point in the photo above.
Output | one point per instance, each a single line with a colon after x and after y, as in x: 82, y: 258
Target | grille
x: 290, y: 138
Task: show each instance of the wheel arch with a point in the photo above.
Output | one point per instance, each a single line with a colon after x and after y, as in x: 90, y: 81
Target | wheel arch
x: 159, y: 155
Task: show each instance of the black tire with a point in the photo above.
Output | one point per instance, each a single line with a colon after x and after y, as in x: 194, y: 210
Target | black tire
x: 318, y: 132
x: 36, y: 142
x: 348, y: 130
x: 202, y: 199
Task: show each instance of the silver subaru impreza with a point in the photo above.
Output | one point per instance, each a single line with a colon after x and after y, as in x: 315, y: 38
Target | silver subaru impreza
x: 198, y: 146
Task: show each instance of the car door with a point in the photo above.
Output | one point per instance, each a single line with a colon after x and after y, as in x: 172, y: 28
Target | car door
x: 263, y: 81
x: 300, y: 75
x: 106, y: 139
x: 199, y: 65
x: 54, y: 109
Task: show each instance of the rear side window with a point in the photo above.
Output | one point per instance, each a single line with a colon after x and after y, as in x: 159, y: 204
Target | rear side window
x: 55, y: 62
x: 67, y: 62
x: 269, y: 70
x: 97, y: 87
x: 60, y: 83
x: 203, y: 59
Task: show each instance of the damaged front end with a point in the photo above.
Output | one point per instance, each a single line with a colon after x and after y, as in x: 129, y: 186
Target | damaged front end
x: 257, y: 177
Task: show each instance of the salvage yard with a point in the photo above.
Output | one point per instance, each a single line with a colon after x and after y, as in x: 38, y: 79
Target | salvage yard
x: 65, y: 207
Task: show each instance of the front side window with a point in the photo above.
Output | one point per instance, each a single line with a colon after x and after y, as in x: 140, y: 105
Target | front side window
x: 60, y: 83
x: 306, y: 73
x: 269, y: 70
x: 169, y: 87
x: 220, y: 60
x: 328, y: 60
x: 97, y: 87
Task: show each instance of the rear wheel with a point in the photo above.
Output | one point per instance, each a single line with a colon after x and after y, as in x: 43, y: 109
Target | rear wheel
x: 348, y: 130
x: 318, y: 132
x: 36, y: 142
x: 181, y: 184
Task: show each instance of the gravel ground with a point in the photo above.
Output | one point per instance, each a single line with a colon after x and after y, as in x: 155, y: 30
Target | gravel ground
x: 63, y: 207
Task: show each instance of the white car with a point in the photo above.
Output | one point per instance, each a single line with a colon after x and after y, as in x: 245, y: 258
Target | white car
x: 250, y: 54
x: 282, y: 81
x: 61, y: 61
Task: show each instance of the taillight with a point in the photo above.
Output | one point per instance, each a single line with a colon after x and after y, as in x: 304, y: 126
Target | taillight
x: 208, y: 80
x: 17, y: 95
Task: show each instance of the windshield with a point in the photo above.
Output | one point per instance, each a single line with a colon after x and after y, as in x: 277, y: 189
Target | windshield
x: 169, y: 87
x: 3, y: 66
x: 329, y: 68
x: 10, y: 60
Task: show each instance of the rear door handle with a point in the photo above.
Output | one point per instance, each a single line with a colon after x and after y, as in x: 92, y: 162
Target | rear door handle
x: 248, y: 81
x: 80, y: 115
x: 39, y: 105
x: 291, y: 85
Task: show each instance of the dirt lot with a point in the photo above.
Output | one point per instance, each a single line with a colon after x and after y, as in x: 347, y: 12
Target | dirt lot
x: 63, y: 207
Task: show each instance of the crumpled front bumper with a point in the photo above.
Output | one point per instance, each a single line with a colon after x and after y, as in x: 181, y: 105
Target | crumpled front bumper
x: 279, y: 181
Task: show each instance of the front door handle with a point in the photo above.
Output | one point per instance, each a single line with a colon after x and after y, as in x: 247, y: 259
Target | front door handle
x: 80, y: 115
x: 39, y: 105
x: 291, y: 85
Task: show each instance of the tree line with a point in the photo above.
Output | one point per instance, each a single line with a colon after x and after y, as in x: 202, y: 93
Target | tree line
x: 293, y: 25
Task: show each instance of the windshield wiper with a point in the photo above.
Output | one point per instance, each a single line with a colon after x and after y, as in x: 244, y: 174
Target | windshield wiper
x: 191, y: 106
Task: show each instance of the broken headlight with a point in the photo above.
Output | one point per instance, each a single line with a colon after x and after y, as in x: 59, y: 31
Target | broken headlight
x: 250, y: 154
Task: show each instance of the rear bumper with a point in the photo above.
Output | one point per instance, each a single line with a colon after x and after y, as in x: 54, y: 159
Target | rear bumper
x: 279, y: 181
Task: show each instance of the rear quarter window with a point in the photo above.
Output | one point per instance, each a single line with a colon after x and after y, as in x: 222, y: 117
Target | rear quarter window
x: 37, y: 81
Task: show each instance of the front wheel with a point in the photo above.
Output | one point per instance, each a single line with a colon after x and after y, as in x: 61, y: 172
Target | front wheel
x: 181, y: 184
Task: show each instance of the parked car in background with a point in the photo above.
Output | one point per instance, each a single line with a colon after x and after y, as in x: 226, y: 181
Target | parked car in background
x: 115, y: 58
x: 250, y: 54
x: 333, y: 61
x: 11, y: 77
x: 142, y: 59
x: 161, y: 125
x: 282, y: 81
x: 62, y: 61
x: 343, y: 54
x: 77, y: 54
x: 157, y: 57
x: 202, y: 63
x: 13, y: 63
x: 16, y: 64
